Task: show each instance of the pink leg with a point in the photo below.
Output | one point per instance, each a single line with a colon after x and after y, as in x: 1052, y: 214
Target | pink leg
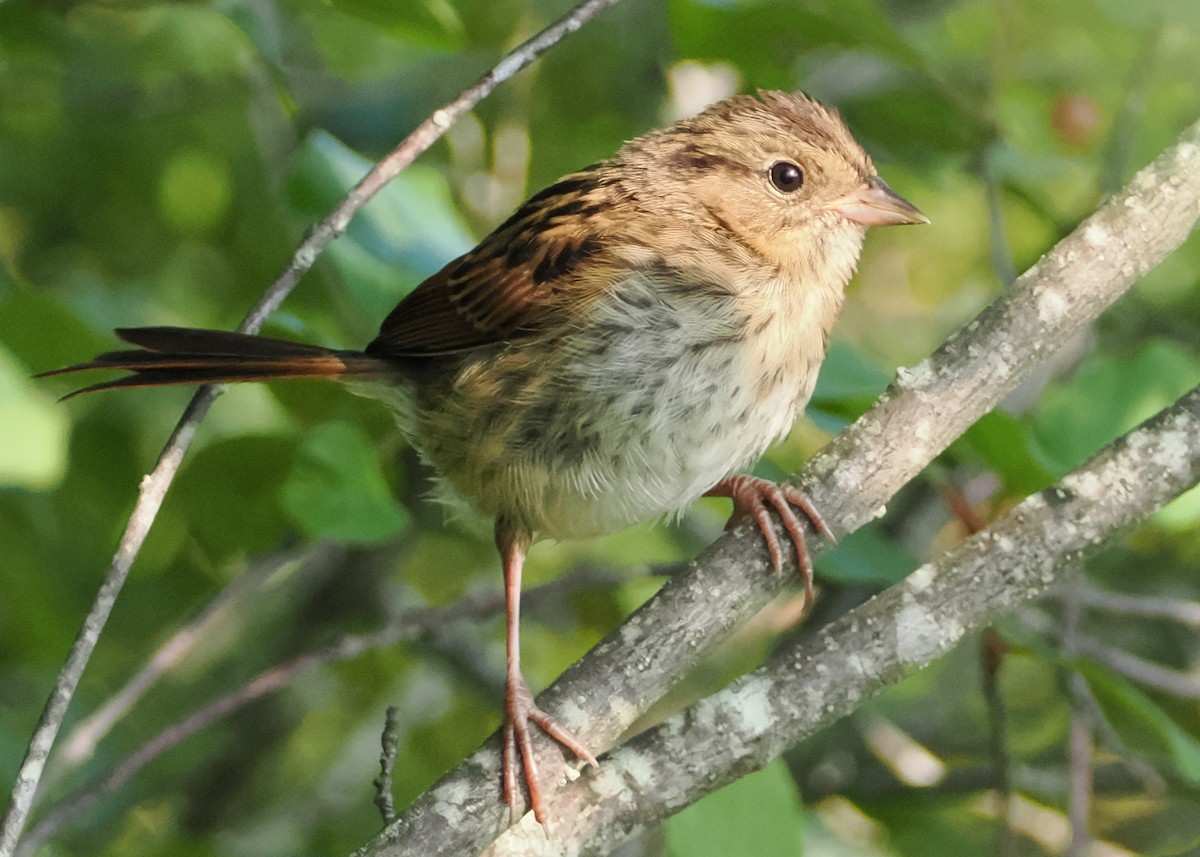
x: 751, y: 496
x: 519, y: 706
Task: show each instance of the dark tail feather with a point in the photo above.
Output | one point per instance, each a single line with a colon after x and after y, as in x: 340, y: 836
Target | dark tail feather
x: 181, y: 355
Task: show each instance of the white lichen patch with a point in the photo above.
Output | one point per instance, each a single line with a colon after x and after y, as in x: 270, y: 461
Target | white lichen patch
x: 813, y: 699
x: 452, y: 800
x: 1178, y: 446
x: 621, y: 710
x: 571, y: 713
x: 1146, y: 179
x: 871, y: 428
x: 636, y: 766
x: 509, y: 66
x: 920, y: 579
x: 754, y: 707
x: 705, y: 717
x: 920, y: 636
x: 1135, y: 206
x: 861, y: 665
x: 1172, y: 449
x: 922, y: 431
x: 1096, y: 235
x: 1051, y: 307
x: 1088, y: 486
x: 608, y: 783
x: 915, y: 377
x: 849, y: 476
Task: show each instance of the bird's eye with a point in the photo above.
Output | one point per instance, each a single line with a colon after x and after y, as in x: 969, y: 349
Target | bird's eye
x: 786, y: 176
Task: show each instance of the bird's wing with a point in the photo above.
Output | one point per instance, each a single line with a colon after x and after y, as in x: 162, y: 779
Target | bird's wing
x: 535, y: 272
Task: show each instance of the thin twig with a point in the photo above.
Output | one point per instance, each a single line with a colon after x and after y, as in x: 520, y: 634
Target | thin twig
x: 993, y: 650
x: 389, y: 742
x: 1185, y: 685
x: 1186, y: 613
x: 1180, y: 684
x: 150, y: 497
x: 79, y: 745
x: 1079, y: 742
x: 960, y: 506
x: 1150, y: 781
x: 154, y: 486
x: 998, y: 250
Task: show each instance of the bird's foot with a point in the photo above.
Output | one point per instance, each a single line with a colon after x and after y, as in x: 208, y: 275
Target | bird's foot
x: 752, y: 496
x: 518, y: 761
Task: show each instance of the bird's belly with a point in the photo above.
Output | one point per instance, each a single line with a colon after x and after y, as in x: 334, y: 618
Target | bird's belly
x: 629, y: 417
x: 597, y: 443
x: 666, y: 446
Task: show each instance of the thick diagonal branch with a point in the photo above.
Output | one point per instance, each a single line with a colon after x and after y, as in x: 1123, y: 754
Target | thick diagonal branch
x: 851, y: 481
x: 809, y: 685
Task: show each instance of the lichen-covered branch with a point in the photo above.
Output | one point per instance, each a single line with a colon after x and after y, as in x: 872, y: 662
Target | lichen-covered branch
x: 851, y: 481
x: 814, y: 682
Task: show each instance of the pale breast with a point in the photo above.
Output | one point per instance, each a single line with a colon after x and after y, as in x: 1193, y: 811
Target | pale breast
x: 662, y: 393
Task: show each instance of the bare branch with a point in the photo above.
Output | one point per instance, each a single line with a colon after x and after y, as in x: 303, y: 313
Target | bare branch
x: 1185, y: 685
x: 411, y: 624
x: 1186, y: 613
x: 1180, y: 684
x: 154, y: 486
x: 807, y: 686
x: 851, y: 481
x: 1079, y: 743
x: 993, y: 651
x: 389, y: 741
x: 80, y: 743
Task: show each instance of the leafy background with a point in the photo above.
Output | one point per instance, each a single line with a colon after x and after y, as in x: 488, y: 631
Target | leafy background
x: 159, y: 161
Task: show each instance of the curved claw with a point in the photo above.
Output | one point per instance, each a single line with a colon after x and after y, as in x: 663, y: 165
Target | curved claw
x: 519, y: 710
x: 752, y: 496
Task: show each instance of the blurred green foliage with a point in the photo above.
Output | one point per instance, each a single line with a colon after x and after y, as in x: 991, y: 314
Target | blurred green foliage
x: 159, y: 161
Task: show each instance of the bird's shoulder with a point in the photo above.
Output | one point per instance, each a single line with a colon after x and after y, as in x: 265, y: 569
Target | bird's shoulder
x: 535, y: 271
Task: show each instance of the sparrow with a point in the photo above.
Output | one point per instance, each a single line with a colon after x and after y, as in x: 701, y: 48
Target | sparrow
x: 627, y: 341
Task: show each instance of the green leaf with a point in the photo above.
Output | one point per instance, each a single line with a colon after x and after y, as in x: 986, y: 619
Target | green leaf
x: 434, y: 23
x: 411, y: 227
x: 753, y: 39
x: 336, y: 488
x: 1142, y: 724
x: 845, y: 388
x: 1108, y: 397
x: 759, y: 814
x: 867, y: 556
x: 845, y: 374
x: 34, y: 451
x: 1007, y: 445
x: 224, y: 494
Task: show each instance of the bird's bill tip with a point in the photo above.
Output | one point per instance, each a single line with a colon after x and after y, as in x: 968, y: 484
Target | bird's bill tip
x: 876, y: 204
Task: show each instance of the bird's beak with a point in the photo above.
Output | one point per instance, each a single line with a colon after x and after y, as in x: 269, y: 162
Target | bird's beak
x: 876, y: 204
